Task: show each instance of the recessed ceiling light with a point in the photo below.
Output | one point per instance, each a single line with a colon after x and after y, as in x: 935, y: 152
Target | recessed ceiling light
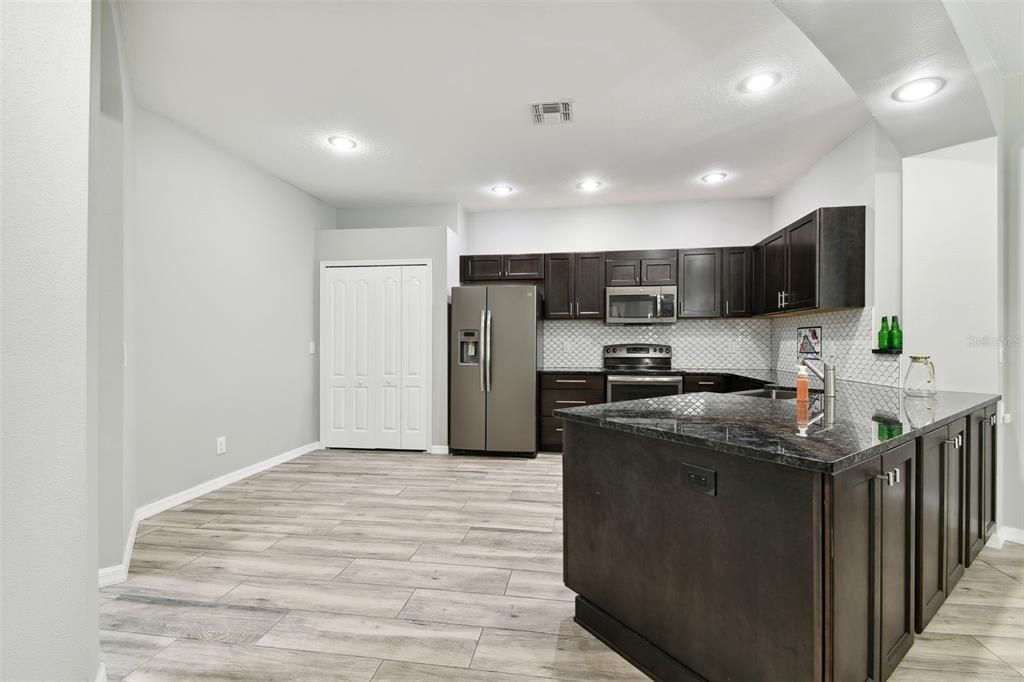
x: 714, y: 178
x: 589, y: 185
x: 345, y: 144
x: 503, y: 190
x: 919, y: 89
x: 760, y: 82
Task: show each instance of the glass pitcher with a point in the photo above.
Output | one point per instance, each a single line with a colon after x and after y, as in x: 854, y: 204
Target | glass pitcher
x: 920, y: 380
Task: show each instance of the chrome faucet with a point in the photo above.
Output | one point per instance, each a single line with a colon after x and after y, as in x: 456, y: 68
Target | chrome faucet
x: 827, y: 375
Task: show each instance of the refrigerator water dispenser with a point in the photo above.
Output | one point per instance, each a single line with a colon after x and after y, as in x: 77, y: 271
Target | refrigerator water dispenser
x: 469, y: 347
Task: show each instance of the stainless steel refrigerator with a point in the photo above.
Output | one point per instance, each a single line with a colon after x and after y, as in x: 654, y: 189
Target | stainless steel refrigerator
x: 493, y: 384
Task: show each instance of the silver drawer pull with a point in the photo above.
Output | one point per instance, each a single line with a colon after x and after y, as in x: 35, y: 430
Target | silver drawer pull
x: 558, y: 430
x: 570, y: 402
x: 570, y: 381
x: 705, y: 383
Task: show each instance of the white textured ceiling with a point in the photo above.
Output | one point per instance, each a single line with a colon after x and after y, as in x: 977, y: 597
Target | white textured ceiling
x: 438, y: 92
x: 1001, y: 23
x: 878, y: 46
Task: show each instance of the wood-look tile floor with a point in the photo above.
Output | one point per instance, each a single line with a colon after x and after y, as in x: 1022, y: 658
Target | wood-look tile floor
x: 348, y: 565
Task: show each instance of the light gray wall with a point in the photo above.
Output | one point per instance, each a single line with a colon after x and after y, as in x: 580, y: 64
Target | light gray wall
x: 220, y: 311
x: 397, y: 243
x: 47, y: 480
x: 106, y: 292
x: 398, y: 216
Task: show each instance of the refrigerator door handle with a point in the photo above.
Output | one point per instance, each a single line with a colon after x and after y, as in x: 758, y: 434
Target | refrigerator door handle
x: 487, y: 350
x: 483, y: 314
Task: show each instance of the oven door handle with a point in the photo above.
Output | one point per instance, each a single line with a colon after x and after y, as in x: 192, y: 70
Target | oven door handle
x: 645, y: 380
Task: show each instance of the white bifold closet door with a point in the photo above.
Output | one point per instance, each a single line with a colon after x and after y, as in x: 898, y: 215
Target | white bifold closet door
x: 374, y: 341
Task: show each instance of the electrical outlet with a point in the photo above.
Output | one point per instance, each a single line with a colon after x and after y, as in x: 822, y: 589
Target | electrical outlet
x: 222, y: 444
x: 312, y: 347
x: 1007, y: 418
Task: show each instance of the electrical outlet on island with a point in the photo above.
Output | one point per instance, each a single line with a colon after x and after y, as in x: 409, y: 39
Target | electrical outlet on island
x: 222, y: 444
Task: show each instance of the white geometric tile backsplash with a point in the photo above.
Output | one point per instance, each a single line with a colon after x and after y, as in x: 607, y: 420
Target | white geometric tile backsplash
x: 754, y: 343
x: 696, y: 344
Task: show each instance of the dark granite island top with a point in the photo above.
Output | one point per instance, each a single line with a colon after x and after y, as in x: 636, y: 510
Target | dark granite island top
x: 707, y: 540
x: 766, y: 429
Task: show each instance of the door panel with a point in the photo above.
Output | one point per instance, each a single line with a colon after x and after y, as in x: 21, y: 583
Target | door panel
x: 855, y: 555
x: 622, y: 272
x: 955, y: 466
x: 467, y: 421
x: 415, y: 330
x: 975, y: 485
x: 988, y: 467
x: 387, y: 335
x: 474, y: 268
x: 559, y: 286
x: 897, y: 547
x: 773, y: 274
x: 658, y: 271
x: 736, y: 277
x: 512, y: 398
x: 802, y: 287
x: 524, y: 266
x: 589, y: 271
x: 700, y: 278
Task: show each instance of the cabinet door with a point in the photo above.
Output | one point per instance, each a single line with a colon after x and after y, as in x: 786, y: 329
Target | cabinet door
x: 977, y: 425
x: 854, y: 585
x: 956, y: 464
x: 773, y: 276
x: 589, y: 271
x: 700, y: 280
x: 988, y: 472
x: 622, y: 272
x: 658, y: 271
x: 559, y: 285
x: 736, y: 282
x: 897, y: 566
x: 476, y: 268
x: 523, y: 266
x: 801, y: 289
x: 757, y: 280
x: 931, y: 526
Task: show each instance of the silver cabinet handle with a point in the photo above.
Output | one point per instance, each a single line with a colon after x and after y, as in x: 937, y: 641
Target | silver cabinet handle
x: 778, y: 299
x: 570, y: 381
x: 896, y: 474
x: 488, y: 350
x: 558, y: 430
x: 992, y: 420
x: 483, y: 358
x: 705, y: 383
x: 726, y: 308
x: 951, y: 442
x: 887, y: 477
x: 570, y: 402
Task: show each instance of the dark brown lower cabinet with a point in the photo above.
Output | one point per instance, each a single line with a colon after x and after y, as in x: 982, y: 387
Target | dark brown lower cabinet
x: 980, y: 481
x: 870, y: 598
x: 564, y: 390
x: 941, y: 541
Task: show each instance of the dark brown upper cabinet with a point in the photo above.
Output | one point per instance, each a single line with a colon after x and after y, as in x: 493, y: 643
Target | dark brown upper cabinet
x: 496, y: 267
x: 737, y: 274
x: 574, y: 286
x: 635, y: 268
x: 700, y: 283
x: 816, y: 262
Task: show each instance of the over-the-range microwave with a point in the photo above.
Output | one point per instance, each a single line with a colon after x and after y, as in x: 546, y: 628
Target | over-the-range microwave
x: 640, y: 305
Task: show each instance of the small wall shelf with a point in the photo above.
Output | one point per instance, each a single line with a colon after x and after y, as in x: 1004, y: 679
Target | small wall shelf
x: 887, y: 351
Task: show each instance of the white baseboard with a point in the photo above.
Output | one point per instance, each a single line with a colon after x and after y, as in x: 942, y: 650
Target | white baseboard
x: 438, y: 449
x: 1006, y: 534
x: 119, y: 573
x: 101, y: 672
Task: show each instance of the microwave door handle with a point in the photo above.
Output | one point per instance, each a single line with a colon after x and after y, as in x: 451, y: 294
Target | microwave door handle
x: 657, y: 312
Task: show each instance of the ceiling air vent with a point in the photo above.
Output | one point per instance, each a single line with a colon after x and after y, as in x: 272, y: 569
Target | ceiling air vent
x: 552, y: 112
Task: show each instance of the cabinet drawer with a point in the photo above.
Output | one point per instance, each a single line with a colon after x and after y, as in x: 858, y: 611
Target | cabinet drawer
x: 552, y: 399
x: 591, y: 382
x: 551, y: 434
x: 708, y: 383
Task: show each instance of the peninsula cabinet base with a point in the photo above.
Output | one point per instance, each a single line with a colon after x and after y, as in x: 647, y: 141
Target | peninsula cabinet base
x: 648, y: 658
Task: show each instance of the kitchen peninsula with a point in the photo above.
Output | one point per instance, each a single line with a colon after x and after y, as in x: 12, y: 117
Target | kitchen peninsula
x: 707, y: 539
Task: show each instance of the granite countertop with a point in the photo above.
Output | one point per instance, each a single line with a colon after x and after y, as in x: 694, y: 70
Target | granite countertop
x: 869, y: 420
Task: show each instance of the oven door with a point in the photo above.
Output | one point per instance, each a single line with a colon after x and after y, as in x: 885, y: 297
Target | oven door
x: 636, y: 387
x: 640, y: 305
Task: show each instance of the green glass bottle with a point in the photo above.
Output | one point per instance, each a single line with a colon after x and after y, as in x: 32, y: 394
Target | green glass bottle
x: 896, y: 334
x: 883, y: 334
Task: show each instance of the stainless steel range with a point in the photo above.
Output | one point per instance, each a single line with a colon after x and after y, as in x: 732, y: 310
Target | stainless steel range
x: 646, y: 371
